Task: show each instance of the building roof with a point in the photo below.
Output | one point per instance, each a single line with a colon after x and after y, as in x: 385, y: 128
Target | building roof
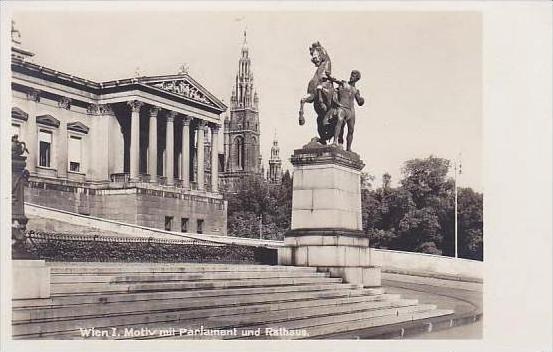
x: 180, y: 87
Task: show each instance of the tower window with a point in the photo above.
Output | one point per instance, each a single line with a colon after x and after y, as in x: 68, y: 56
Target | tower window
x: 240, y: 152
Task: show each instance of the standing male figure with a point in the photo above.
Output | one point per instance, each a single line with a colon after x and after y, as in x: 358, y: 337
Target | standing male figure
x: 345, y: 107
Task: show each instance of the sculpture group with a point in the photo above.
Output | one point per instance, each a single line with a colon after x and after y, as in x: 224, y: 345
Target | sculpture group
x: 334, y: 106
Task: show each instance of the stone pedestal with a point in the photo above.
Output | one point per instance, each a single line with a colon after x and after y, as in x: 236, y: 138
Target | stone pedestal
x: 31, y: 279
x: 326, y: 230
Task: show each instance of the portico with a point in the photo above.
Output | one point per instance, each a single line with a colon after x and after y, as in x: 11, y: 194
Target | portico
x: 169, y: 163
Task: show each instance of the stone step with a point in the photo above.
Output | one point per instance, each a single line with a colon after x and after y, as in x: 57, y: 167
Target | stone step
x: 312, y: 315
x: 215, y: 317
x: 114, y: 268
x: 166, y: 277
x: 339, y: 316
x: 23, y: 315
x: 365, y: 323
x: 59, y: 289
x: 77, y: 299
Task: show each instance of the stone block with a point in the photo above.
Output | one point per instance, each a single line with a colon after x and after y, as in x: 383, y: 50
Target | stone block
x: 31, y: 279
x: 338, y: 240
x: 329, y: 198
x: 325, y: 239
x: 303, y: 199
x: 352, y: 275
x: 324, y: 255
x: 372, y: 276
x: 300, y: 256
x: 325, y: 218
x: 285, y: 256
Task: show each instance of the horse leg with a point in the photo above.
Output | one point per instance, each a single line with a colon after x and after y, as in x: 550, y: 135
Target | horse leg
x: 322, y: 130
x: 308, y: 98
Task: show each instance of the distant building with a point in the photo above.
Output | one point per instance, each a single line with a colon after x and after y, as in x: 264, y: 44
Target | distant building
x: 241, y: 129
x: 138, y: 150
x: 274, y: 174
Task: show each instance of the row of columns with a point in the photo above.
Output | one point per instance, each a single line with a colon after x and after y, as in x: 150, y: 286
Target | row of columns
x: 169, y: 148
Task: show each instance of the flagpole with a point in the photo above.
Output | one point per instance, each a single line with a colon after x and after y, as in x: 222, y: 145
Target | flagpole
x: 456, y: 233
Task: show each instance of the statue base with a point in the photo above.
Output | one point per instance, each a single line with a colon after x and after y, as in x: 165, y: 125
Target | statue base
x: 326, y: 229
x: 31, y: 279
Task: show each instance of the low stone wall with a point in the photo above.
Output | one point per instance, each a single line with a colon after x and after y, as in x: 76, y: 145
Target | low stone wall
x: 409, y: 262
x: 42, y: 218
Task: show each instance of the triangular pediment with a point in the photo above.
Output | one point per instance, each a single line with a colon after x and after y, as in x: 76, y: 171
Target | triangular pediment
x: 19, y: 114
x: 77, y: 127
x: 184, y: 86
x: 48, y: 120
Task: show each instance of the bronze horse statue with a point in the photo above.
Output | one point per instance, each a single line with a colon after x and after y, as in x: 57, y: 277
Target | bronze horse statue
x: 320, y: 92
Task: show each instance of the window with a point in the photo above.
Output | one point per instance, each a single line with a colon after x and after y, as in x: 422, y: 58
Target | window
x: 74, y: 167
x: 74, y: 153
x: 200, y: 226
x: 168, y: 223
x: 45, y: 148
x: 240, y: 152
x: 16, y: 130
x: 184, y: 225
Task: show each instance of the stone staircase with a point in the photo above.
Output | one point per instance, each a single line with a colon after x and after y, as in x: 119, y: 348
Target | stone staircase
x: 221, y: 301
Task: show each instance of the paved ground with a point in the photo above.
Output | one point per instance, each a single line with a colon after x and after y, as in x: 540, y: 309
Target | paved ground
x: 465, y: 298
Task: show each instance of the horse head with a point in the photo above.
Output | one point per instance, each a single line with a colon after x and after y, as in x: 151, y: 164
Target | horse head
x: 318, y: 54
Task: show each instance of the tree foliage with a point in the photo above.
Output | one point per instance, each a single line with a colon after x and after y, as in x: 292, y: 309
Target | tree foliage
x: 257, y: 206
x: 417, y: 215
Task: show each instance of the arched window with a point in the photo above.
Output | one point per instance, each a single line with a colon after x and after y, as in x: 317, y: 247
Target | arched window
x: 239, y: 143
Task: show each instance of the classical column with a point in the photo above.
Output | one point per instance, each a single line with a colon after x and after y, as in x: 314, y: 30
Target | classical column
x: 169, y: 148
x: 96, y: 158
x: 200, y: 151
x: 135, y: 140
x: 31, y: 133
x: 152, y: 144
x: 185, y: 155
x: 214, y: 158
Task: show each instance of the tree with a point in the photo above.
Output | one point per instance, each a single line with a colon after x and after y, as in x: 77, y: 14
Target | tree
x: 256, y: 202
x: 470, y: 223
x: 386, y: 181
x: 418, y: 215
x: 426, y: 180
x: 417, y: 227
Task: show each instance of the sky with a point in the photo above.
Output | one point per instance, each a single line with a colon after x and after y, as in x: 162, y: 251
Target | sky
x: 421, y: 72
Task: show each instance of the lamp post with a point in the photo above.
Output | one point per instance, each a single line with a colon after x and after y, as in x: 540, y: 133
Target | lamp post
x: 457, y: 169
x: 261, y: 226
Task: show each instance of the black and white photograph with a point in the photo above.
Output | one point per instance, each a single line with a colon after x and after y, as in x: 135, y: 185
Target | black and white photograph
x: 244, y: 172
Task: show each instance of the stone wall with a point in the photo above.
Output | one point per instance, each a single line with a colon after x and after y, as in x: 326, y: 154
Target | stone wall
x: 422, y: 263
x: 134, y: 205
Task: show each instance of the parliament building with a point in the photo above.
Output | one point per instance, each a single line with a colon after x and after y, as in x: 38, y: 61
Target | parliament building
x: 140, y: 150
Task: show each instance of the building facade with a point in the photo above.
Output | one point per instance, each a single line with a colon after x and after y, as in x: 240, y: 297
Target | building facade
x: 241, y: 128
x: 141, y: 150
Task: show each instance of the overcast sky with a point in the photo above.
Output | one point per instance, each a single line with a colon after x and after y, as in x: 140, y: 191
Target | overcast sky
x: 421, y: 71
